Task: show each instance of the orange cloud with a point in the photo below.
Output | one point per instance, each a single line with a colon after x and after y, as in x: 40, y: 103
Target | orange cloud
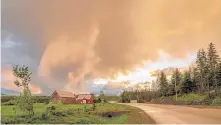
x: 8, y: 82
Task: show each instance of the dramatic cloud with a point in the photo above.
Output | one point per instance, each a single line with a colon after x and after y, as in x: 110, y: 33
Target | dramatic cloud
x: 69, y: 42
x: 8, y: 82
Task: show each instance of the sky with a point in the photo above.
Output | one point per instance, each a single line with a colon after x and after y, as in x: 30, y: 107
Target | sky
x: 88, y: 46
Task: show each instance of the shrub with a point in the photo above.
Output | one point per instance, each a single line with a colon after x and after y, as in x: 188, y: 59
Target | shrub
x: 53, y: 108
x: 7, y: 98
x: 44, y: 116
x: 58, y: 114
x: 70, y: 112
x: 191, y: 98
x: 85, y: 109
x: 11, y: 102
x: 46, y: 102
x: 41, y: 99
x: 93, y: 107
x: 15, y: 120
x: 216, y: 101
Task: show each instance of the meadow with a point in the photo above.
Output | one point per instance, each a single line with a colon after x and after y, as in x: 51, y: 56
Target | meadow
x: 105, y: 113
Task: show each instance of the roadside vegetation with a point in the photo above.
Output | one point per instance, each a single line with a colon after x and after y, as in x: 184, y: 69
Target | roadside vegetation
x: 199, y: 85
x: 28, y: 109
x: 76, y: 114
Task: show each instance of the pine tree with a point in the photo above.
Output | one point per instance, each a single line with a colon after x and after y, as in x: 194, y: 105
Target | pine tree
x: 195, y: 78
x: 218, y: 75
x: 175, y: 81
x: 212, y: 61
x: 163, y: 84
x: 202, y: 68
x: 186, y: 85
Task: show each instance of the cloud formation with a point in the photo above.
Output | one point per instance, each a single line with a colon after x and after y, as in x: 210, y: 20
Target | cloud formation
x: 75, y: 40
x: 8, y: 82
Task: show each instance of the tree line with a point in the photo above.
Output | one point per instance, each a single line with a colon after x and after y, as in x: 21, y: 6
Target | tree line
x: 203, y: 77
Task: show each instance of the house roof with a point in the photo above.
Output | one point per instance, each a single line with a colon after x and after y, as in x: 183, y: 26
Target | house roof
x: 64, y: 93
x: 86, y: 96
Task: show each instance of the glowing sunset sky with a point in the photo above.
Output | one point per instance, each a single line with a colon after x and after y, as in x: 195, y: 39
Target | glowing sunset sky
x: 78, y: 45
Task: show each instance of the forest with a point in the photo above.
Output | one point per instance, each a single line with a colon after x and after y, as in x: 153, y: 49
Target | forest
x: 200, y: 84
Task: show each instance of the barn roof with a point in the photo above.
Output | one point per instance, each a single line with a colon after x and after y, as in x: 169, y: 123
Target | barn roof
x: 87, y: 96
x: 64, y: 93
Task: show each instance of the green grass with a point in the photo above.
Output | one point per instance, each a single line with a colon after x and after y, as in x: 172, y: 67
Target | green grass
x: 112, y: 98
x: 189, y: 98
x: 95, y: 119
x: 7, y: 110
x: 130, y: 115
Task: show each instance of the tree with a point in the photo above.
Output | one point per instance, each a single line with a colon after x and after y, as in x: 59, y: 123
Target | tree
x: 102, y: 96
x: 163, y: 83
x: 154, y: 86
x: 175, y: 81
x: 218, y: 75
x: 146, y: 86
x: 212, y: 61
x: 195, y: 78
x: 137, y: 86
x: 23, y: 78
x: 125, y: 96
x: 187, y: 85
x: 202, y: 68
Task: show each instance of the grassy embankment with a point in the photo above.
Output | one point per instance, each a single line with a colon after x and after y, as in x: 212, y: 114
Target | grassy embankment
x: 78, y: 113
x: 188, y: 99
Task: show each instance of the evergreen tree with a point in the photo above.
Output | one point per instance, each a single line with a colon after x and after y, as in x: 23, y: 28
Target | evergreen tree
x: 195, y: 78
x: 218, y: 75
x: 212, y: 61
x: 175, y: 81
x: 202, y: 68
x: 187, y: 85
x: 163, y: 84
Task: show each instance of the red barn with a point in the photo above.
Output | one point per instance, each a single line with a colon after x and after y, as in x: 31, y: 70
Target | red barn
x: 63, y: 97
x: 85, y: 98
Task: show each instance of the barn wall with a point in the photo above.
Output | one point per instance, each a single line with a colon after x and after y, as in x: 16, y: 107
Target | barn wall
x: 67, y: 100
x: 55, y: 98
x: 88, y: 101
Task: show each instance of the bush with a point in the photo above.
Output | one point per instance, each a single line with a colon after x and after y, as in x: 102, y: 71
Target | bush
x: 58, y: 114
x: 7, y: 98
x: 41, y: 99
x: 191, y: 98
x: 46, y: 102
x: 93, y: 107
x: 216, y: 101
x: 44, y: 116
x: 53, y: 108
x: 11, y: 102
x: 16, y: 120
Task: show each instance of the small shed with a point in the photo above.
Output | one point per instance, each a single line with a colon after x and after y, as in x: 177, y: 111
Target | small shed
x: 64, y: 97
x: 85, y: 98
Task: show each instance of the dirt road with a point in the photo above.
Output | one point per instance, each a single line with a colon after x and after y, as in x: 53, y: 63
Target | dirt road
x: 174, y: 114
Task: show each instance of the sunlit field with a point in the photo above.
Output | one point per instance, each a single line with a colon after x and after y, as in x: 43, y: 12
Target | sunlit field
x: 78, y: 113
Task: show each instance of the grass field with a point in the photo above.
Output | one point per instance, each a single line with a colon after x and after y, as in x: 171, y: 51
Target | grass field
x: 120, y: 114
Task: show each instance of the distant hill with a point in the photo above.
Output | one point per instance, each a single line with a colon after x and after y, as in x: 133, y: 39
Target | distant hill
x: 8, y: 92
